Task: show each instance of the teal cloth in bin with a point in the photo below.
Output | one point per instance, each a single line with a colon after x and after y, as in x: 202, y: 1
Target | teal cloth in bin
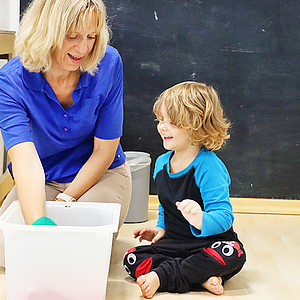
x: 139, y: 163
x: 44, y: 221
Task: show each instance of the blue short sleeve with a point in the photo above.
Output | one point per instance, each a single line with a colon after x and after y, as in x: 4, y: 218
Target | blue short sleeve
x: 110, y: 120
x: 14, y: 122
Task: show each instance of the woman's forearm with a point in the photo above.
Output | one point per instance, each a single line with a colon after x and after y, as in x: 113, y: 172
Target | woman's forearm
x: 30, y: 180
x: 98, y: 163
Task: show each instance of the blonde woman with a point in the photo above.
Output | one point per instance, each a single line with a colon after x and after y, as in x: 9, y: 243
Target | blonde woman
x: 61, y: 110
x: 193, y: 245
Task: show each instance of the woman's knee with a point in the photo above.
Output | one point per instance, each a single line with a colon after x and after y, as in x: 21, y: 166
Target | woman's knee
x: 115, y: 186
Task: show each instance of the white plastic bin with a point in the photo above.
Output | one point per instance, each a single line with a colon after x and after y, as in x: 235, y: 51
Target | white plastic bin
x: 139, y: 163
x: 65, y: 262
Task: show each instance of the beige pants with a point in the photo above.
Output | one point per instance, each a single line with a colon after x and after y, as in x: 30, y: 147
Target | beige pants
x: 115, y: 186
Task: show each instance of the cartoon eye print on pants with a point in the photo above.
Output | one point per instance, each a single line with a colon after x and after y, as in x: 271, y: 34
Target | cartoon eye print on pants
x: 131, y: 258
x: 127, y: 270
x: 227, y: 250
x: 219, y: 249
x: 215, y: 245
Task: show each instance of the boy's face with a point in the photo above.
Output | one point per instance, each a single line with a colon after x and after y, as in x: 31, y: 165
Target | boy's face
x: 174, y: 138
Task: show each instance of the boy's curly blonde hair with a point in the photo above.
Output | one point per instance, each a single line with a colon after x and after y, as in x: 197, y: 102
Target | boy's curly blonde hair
x: 197, y: 107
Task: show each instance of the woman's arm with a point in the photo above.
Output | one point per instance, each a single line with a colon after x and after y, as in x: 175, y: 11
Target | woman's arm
x: 102, y: 157
x: 30, y: 180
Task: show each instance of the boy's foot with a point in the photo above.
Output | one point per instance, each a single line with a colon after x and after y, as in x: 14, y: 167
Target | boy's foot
x: 214, y: 285
x: 148, y: 284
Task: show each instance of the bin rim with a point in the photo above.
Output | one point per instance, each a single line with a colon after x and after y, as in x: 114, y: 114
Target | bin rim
x: 137, y: 152
x: 137, y: 160
x: 110, y: 228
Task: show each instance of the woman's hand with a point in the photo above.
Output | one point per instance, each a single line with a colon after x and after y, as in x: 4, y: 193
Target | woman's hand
x: 191, y: 211
x: 151, y: 234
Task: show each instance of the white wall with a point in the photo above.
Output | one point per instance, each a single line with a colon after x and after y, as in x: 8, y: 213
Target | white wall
x: 2, y: 62
x: 9, y: 20
x: 9, y: 14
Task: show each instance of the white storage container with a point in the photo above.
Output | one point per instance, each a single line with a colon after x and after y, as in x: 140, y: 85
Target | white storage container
x: 65, y: 262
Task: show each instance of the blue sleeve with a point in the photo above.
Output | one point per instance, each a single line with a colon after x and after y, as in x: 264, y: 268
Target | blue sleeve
x: 214, y: 187
x: 159, y: 164
x: 161, y: 217
x: 110, y: 121
x: 14, y: 122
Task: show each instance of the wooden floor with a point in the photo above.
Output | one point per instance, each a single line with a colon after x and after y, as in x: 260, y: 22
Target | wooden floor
x: 272, y: 243
x: 271, y: 272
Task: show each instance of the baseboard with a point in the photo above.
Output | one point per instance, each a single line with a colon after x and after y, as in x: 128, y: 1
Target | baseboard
x: 253, y: 205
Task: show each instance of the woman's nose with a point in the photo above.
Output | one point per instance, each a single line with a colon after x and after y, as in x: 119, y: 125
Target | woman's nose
x: 82, y: 46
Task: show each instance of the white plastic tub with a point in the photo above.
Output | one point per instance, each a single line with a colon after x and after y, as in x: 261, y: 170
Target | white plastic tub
x: 65, y: 262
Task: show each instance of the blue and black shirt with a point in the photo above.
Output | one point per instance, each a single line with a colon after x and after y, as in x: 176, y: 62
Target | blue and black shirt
x: 205, y: 180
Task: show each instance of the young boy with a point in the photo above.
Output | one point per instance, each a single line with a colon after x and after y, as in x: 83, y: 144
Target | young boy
x: 193, y: 245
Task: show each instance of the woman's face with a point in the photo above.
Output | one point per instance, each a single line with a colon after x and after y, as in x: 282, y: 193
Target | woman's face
x: 75, y: 48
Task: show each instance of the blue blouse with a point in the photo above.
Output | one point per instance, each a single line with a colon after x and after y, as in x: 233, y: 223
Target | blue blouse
x: 64, y: 138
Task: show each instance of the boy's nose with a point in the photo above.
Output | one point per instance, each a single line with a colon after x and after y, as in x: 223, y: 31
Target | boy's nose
x: 162, y: 126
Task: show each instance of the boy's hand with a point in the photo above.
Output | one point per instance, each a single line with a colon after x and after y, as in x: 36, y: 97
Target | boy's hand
x: 151, y: 234
x: 191, y: 211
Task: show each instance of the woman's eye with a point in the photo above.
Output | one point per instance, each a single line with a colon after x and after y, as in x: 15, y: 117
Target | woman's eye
x: 92, y: 37
x: 72, y: 37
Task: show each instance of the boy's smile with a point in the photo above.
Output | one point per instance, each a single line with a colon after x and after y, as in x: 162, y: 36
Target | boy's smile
x: 174, y: 138
x: 167, y: 137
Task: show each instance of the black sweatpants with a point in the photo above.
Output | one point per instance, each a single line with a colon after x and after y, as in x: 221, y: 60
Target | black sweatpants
x: 184, y: 265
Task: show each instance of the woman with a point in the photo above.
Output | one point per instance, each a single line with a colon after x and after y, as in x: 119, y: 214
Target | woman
x: 61, y: 110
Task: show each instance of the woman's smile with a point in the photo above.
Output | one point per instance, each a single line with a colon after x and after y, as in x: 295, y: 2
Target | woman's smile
x: 75, y: 59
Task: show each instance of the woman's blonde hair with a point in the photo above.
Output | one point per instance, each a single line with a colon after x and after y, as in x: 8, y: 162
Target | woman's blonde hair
x: 197, y: 107
x: 46, y: 23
